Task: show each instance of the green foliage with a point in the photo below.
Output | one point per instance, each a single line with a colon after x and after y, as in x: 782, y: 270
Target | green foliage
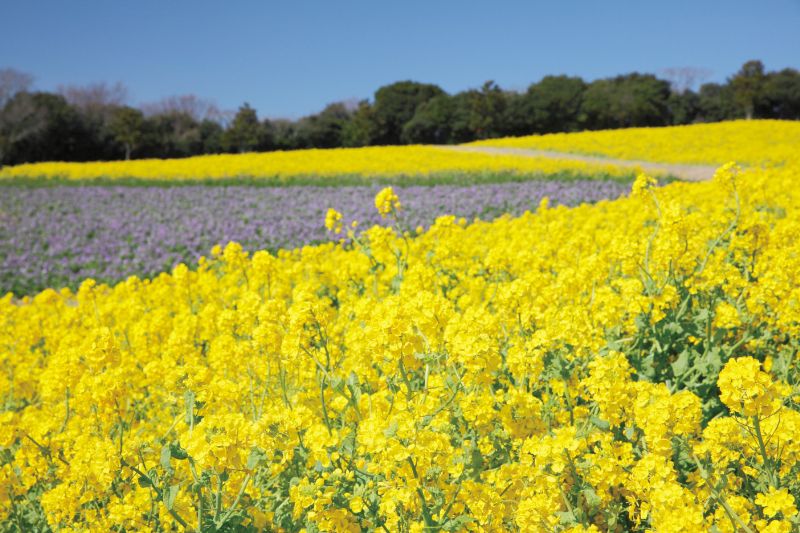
x: 555, y: 103
x: 716, y: 103
x: 748, y: 87
x: 395, y: 105
x: 126, y: 126
x: 781, y: 95
x: 40, y: 126
x: 325, y: 129
x: 485, y: 108
x: 244, y: 133
x: 626, y: 101
x: 683, y: 106
x: 432, y: 123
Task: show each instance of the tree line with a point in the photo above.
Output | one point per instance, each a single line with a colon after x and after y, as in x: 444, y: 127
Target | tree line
x: 95, y: 123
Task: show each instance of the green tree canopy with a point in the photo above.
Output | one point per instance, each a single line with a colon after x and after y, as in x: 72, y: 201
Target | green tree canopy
x: 325, y: 129
x: 395, y: 105
x: 244, y: 133
x: 432, y: 123
x: 748, y: 87
x: 554, y: 104
x: 781, y: 94
x: 625, y: 101
x: 126, y: 127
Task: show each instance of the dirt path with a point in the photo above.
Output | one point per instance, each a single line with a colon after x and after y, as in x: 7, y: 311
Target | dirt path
x: 685, y: 172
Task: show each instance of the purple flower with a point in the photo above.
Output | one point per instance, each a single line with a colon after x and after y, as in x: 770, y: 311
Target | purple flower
x: 57, y: 236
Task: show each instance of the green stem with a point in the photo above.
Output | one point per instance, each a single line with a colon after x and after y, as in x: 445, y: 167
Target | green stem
x: 235, y: 502
x: 426, y: 513
x: 66, y: 416
x: 199, y: 510
x: 763, y: 449
x: 325, y: 417
x: 218, y: 503
x: 405, y: 376
x: 732, y: 516
x: 158, y: 492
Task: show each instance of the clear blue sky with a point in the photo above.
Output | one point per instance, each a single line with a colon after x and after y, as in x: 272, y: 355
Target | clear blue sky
x: 290, y: 58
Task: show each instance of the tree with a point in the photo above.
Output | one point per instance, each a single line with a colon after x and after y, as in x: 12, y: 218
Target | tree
x: 325, y: 129
x: 463, y: 125
x: 13, y: 82
x: 748, y: 87
x: 432, y: 122
x: 20, y: 119
x: 173, y: 134
x: 486, y: 111
x: 361, y: 129
x: 626, y: 101
x: 683, y: 106
x: 715, y: 102
x: 554, y: 104
x: 211, y: 137
x: 684, y: 79
x: 96, y: 104
x: 280, y: 134
x: 40, y: 127
x: 781, y: 94
x: 127, y: 126
x: 395, y: 105
x: 244, y: 132
x: 95, y: 95
x: 188, y: 104
x: 517, y: 117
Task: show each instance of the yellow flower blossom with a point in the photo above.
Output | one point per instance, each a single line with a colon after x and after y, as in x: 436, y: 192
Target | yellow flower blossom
x: 749, y: 391
x: 386, y: 202
x: 776, y: 501
x: 333, y: 221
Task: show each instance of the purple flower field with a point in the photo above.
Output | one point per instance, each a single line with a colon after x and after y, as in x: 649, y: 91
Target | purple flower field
x: 58, y: 236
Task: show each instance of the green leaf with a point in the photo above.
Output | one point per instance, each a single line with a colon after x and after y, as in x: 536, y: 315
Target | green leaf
x: 681, y: 364
x: 629, y: 432
x: 457, y: 523
x: 165, y: 457
x: 177, y: 452
x: 600, y: 423
x: 337, y: 384
x: 591, y: 497
x: 253, y: 459
x: 169, y: 496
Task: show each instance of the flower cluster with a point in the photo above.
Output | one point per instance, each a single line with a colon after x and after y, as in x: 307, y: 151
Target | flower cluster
x: 333, y: 221
x: 387, y: 202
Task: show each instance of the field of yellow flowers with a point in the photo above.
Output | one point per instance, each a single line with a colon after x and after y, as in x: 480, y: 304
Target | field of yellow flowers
x: 623, y: 366
x: 354, y: 165
x: 744, y: 141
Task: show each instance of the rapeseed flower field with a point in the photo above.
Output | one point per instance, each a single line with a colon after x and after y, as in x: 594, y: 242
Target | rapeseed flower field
x: 749, y: 142
x: 627, y: 365
x: 424, y: 163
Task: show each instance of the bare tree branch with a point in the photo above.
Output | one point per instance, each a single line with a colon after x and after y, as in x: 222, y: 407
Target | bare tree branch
x: 95, y: 95
x: 13, y: 81
x: 198, y: 108
x: 685, y: 78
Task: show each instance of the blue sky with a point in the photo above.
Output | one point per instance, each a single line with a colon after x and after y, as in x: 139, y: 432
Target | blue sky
x: 288, y: 59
